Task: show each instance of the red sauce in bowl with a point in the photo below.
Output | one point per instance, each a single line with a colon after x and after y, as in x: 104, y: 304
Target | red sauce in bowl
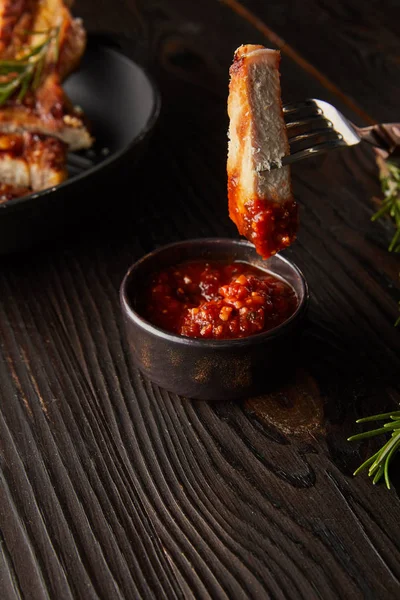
x: 217, y: 300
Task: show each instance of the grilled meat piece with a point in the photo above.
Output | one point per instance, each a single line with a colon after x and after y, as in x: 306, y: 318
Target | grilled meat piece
x: 8, y: 192
x: 32, y: 161
x: 47, y: 109
x: 261, y: 202
x: 48, y: 14
x: 15, y: 19
x: 47, y: 158
x: 67, y: 125
x: 18, y: 18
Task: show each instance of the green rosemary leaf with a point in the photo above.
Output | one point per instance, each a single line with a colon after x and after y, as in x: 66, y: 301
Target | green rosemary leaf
x: 23, y: 89
x: 386, y: 204
x: 381, y: 417
x: 386, y: 474
x: 381, y: 455
x: 27, y: 70
x: 36, y: 50
x: 367, y: 434
x: 38, y: 73
x: 57, y: 44
x: 378, y: 475
x: 394, y: 241
x: 7, y: 90
x: 365, y: 464
x: 378, y: 464
x: 392, y: 452
x: 375, y: 466
x: 389, y: 445
x: 394, y: 425
x: 11, y: 66
x: 25, y: 85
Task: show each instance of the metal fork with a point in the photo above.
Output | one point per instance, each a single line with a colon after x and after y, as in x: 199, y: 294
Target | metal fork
x: 315, y: 127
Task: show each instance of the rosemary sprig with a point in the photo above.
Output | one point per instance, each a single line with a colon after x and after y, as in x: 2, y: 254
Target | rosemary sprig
x: 24, y: 73
x: 389, y: 175
x: 390, y: 183
x: 378, y: 464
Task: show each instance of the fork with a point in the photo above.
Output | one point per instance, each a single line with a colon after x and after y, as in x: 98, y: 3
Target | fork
x: 315, y: 127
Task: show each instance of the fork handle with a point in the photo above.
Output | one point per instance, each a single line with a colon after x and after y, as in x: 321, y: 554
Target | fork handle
x: 385, y: 136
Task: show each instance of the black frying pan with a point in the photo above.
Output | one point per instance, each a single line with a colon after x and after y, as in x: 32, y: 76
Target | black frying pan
x: 122, y: 103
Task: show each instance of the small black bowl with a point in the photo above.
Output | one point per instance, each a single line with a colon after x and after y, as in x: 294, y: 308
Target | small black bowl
x: 210, y: 369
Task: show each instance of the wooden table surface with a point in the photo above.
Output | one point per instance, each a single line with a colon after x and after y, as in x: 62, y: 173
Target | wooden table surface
x: 113, y: 488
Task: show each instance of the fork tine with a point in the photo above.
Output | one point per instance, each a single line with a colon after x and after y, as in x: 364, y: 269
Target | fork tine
x: 312, y: 151
x: 294, y: 107
x: 311, y: 120
x: 310, y: 135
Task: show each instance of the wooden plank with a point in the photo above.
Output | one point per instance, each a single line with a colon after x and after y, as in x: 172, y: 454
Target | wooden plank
x: 114, y: 488
x: 353, y: 44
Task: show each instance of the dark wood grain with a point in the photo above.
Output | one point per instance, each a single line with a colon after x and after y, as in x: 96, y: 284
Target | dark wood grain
x: 113, y: 488
x: 353, y: 44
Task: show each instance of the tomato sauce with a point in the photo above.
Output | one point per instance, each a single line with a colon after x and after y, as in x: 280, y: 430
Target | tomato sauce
x: 269, y: 225
x: 217, y: 300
